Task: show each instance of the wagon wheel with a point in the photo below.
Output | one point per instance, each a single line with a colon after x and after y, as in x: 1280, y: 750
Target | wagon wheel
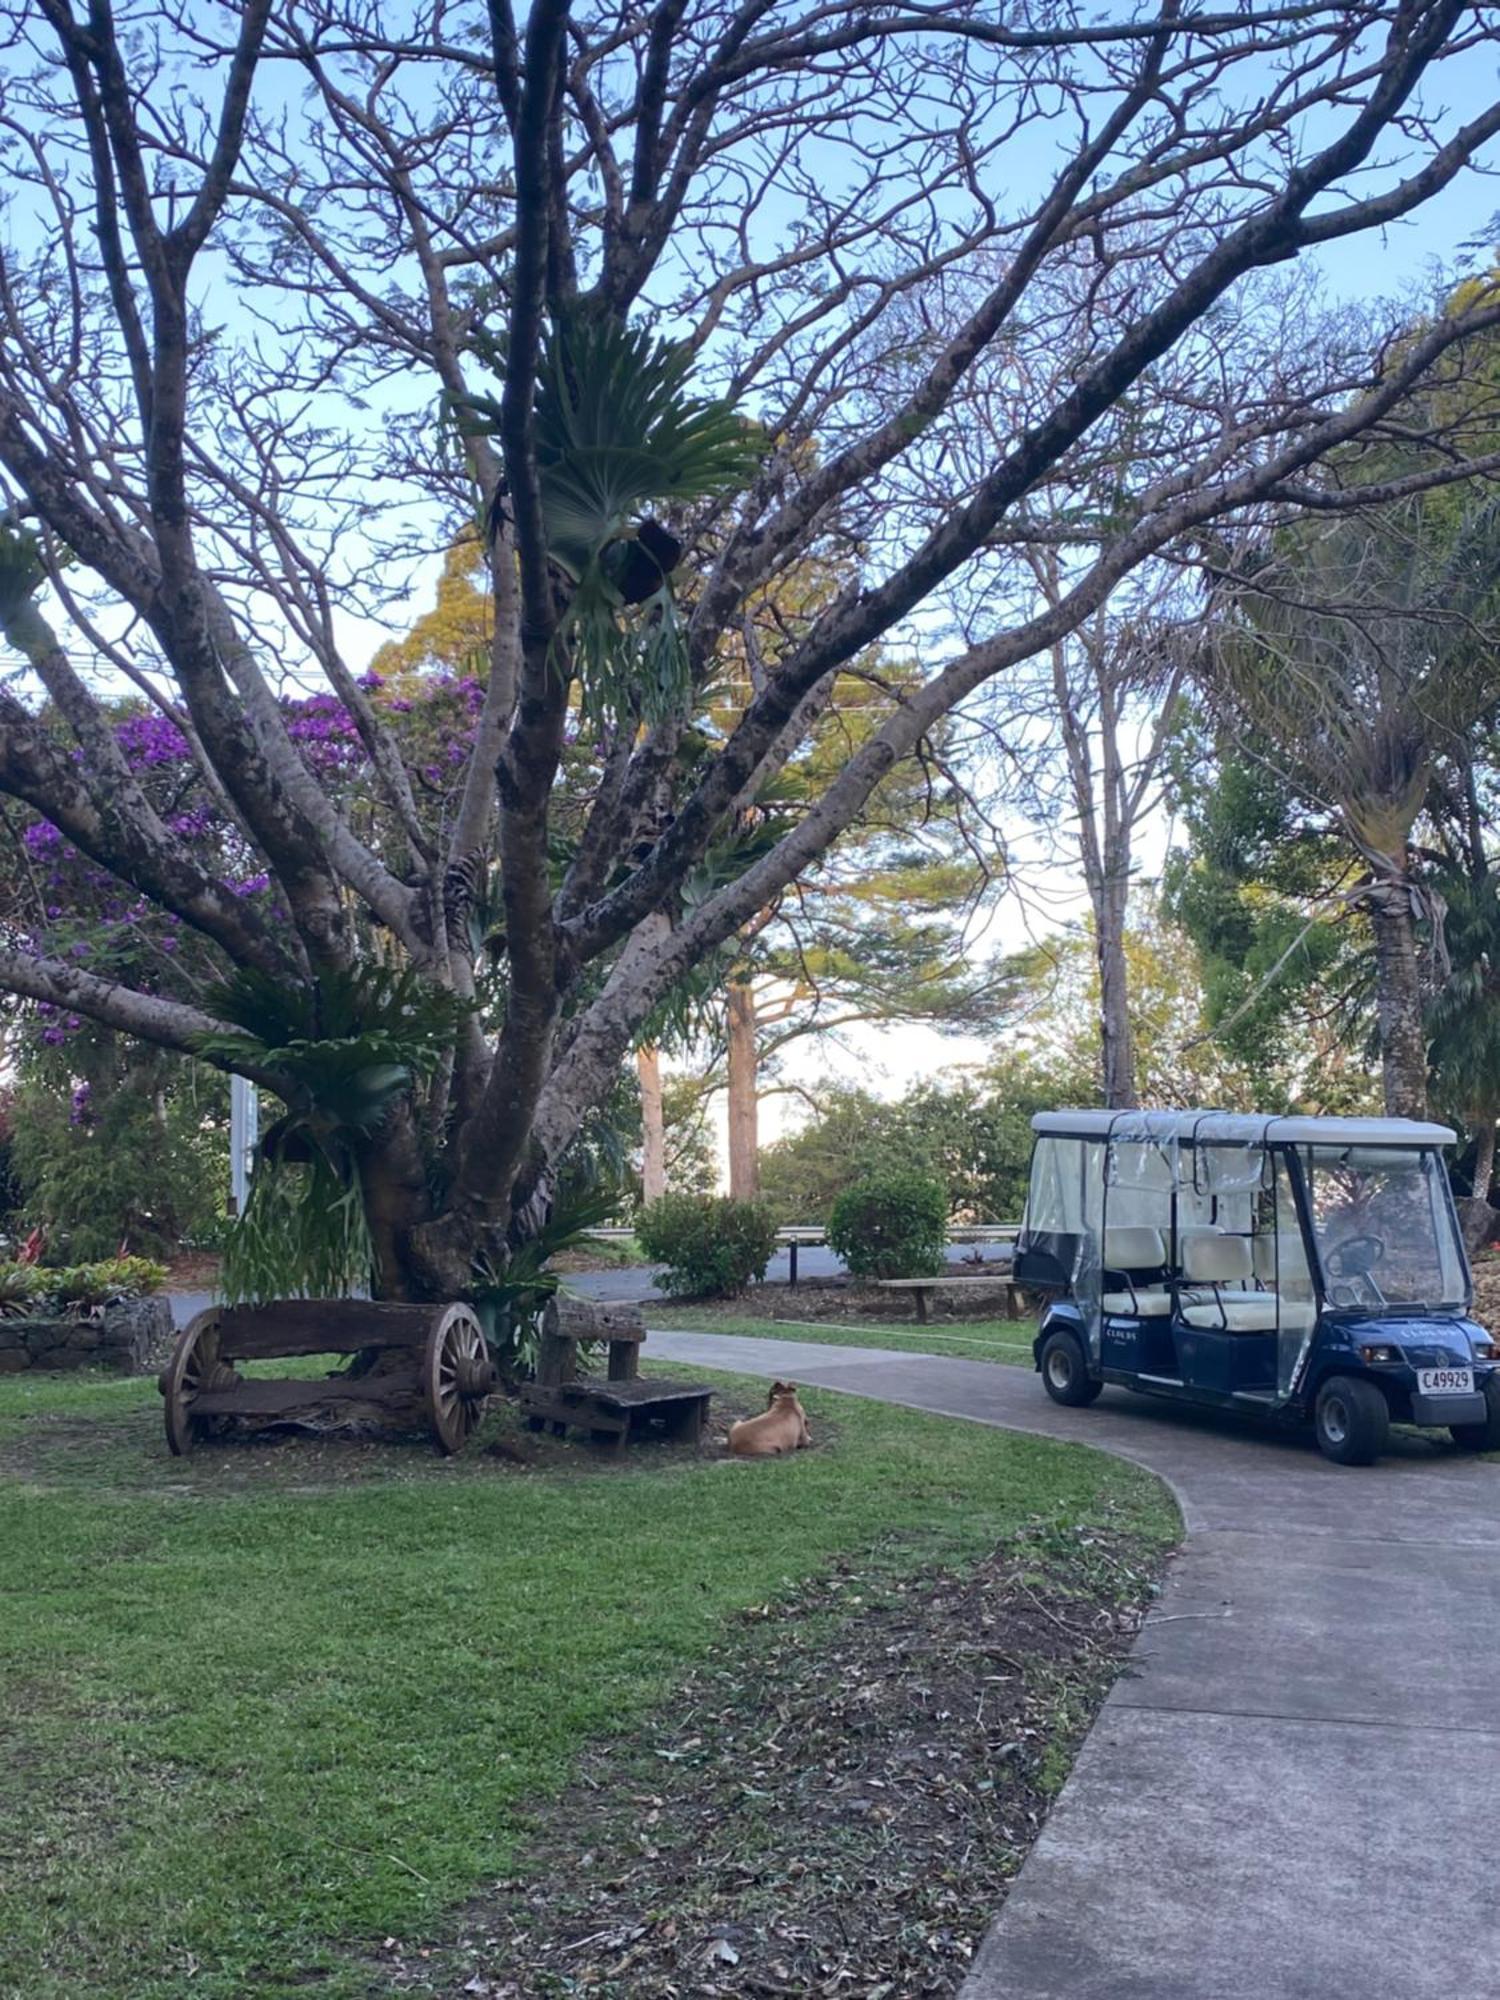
x: 457, y: 1377
x: 195, y: 1367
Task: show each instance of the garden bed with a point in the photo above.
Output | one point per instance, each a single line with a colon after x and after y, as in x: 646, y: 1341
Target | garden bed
x: 846, y: 1298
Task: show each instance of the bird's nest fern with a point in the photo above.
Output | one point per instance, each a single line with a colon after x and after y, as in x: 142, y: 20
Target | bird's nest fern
x: 341, y: 1055
x: 617, y: 437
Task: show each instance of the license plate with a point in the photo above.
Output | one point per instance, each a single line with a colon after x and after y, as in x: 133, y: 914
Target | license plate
x: 1446, y: 1381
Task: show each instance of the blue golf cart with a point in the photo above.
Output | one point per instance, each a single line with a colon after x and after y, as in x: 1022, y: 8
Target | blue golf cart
x: 1305, y: 1269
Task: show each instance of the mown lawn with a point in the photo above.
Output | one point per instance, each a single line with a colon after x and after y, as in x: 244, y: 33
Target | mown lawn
x: 247, y: 1713
x: 966, y: 1339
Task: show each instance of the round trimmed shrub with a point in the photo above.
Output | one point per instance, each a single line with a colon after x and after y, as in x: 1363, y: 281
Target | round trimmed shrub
x: 712, y: 1245
x: 891, y: 1225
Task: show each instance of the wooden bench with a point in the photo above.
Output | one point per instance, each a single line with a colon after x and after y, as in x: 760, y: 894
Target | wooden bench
x: 624, y: 1403
x: 422, y: 1365
x: 923, y: 1288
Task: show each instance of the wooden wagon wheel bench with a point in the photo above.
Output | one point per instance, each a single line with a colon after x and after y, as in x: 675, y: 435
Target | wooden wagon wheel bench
x: 623, y: 1404
x: 426, y: 1365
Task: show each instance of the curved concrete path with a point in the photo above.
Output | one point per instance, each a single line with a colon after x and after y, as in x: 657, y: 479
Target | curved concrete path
x: 1294, y: 1791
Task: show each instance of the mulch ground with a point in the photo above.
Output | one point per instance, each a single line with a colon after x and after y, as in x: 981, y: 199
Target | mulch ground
x: 1487, y: 1290
x: 846, y: 1298
x: 836, y: 1806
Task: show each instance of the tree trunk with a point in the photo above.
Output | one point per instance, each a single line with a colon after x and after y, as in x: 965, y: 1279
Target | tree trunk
x: 1484, y: 1156
x: 744, y: 1145
x: 1114, y: 996
x: 1403, y: 1041
x: 653, y: 1125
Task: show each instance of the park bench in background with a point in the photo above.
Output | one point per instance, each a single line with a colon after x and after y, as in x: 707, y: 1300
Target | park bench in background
x: 923, y: 1288
x: 623, y: 1403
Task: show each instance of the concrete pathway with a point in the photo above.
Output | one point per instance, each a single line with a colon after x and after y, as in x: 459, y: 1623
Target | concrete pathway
x: 1293, y: 1792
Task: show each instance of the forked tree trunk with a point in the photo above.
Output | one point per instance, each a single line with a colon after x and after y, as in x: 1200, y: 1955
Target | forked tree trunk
x: 653, y: 1125
x: 1403, y: 1041
x: 744, y: 1139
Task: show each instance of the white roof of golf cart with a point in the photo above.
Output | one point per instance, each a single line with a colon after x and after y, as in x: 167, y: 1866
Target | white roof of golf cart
x: 1237, y: 1128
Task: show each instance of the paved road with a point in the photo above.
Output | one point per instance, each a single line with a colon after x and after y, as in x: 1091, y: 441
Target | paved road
x: 1294, y: 1792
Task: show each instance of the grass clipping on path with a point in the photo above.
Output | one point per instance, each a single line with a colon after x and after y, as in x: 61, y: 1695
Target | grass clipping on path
x: 243, y: 1722
x: 836, y: 1804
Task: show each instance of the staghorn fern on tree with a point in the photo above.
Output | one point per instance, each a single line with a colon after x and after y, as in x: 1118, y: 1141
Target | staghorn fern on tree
x: 617, y: 435
x: 341, y: 1055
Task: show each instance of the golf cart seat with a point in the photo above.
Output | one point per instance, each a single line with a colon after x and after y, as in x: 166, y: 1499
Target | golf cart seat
x: 1145, y: 1302
x: 1139, y: 1256
x: 1221, y: 1268
x: 1249, y: 1312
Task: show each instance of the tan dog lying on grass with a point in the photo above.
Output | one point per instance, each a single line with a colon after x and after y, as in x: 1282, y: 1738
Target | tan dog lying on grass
x: 781, y: 1427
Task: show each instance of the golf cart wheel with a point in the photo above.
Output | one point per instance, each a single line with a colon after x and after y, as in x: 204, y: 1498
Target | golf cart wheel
x: 1065, y: 1374
x: 1352, y: 1420
x: 1485, y: 1436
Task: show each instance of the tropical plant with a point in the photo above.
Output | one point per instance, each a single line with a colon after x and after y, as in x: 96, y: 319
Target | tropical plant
x: 85, y: 1288
x: 341, y: 1055
x: 1356, y: 651
x: 78, y: 1289
x: 893, y: 1224
x: 1463, y: 1018
x: 20, y: 1286
x: 510, y: 1300
x: 616, y: 435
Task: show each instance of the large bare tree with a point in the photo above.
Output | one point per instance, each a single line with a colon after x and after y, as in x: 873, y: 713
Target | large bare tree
x: 262, y: 256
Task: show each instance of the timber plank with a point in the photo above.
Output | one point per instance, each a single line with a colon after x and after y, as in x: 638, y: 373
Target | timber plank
x: 285, y: 1327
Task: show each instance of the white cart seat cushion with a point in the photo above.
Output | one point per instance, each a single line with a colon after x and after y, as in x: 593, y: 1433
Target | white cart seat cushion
x: 1148, y: 1302
x: 1249, y: 1312
x: 1134, y: 1249
x: 1215, y: 1260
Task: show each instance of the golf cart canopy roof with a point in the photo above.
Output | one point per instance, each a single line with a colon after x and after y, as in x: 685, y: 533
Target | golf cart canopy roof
x: 1235, y: 1128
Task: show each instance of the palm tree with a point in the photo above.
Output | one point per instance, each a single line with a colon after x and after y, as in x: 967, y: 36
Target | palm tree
x: 1463, y: 1020
x: 1353, y: 654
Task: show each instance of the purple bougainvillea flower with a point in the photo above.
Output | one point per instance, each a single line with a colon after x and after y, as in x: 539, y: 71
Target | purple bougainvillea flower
x: 148, y: 740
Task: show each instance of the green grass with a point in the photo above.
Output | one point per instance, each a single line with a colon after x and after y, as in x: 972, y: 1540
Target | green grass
x: 240, y: 1723
x: 1008, y: 1341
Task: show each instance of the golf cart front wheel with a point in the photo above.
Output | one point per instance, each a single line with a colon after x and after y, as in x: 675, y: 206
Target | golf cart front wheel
x: 1352, y: 1420
x: 1485, y: 1436
x: 1065, y: 1374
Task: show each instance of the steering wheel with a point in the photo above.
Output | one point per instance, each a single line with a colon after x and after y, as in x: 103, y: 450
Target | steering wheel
x: 1342, y: 1262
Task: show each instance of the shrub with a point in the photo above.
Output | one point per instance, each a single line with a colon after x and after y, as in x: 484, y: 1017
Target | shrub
x: 32, y: 1288
x: 20, y: 1285
x: 711, y: 1245
x: 83, y: 1286
x: 892, y: 1224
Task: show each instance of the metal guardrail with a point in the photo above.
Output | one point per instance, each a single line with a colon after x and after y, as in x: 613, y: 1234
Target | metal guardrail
x: 810, y: 1235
